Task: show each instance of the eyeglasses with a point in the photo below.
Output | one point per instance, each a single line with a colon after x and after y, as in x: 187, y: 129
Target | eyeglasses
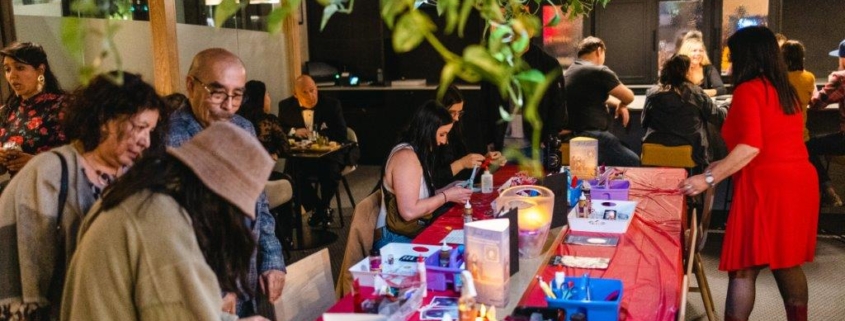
x: 219, y: 97
x: 457, y: 113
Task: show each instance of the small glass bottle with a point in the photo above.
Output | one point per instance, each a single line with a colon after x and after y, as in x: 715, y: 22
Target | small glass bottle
x: 445, y: 253
x: 467, y: 213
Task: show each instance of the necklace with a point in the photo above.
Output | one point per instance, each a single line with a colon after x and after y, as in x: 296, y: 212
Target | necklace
x: 103, y: 174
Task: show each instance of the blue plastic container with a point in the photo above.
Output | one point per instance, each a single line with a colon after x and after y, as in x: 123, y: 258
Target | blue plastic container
x: 603, y: 304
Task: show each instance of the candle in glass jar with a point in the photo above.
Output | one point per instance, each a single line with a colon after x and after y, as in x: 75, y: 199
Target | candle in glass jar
x: 531, y: 219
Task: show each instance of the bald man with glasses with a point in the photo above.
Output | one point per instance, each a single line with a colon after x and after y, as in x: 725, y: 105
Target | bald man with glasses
x: 215, y: 89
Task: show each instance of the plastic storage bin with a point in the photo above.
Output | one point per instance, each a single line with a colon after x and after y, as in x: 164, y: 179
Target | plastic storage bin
x: 615, y: 190
x: 603, y: 305
x: 399, y: 273
x: 439, y: 278
x: 623, y: 210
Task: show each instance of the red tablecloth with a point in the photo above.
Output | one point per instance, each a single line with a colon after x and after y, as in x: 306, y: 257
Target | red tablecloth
x: 648, y: 258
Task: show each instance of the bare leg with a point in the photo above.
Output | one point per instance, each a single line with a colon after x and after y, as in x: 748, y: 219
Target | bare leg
x: 793, y: 289
x: 741, y: 293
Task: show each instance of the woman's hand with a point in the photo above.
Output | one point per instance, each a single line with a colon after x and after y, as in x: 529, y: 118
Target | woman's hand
x: 457, y: 194
x: 693, y: 185
x: 229, y: 302
x: 471, y: 160
x: 17, y: 159
x: 497, y: 158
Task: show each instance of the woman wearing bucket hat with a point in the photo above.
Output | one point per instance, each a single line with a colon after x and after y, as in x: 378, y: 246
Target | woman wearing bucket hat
x: 31, y: 116
x: 109, y: 126
x: 169, y: 237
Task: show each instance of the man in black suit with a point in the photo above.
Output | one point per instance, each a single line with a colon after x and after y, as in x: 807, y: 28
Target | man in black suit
x: 303, y: 115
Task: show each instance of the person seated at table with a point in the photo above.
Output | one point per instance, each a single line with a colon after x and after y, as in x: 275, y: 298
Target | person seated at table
x: 802, y: 80
x: 169, y: 236
x: 268, y: 127
x: 409, y: 195
x: 676, y: 111
x: 109, y: 127
x: 454, y: 161
x: 302, y: 115
x: 701, y: 73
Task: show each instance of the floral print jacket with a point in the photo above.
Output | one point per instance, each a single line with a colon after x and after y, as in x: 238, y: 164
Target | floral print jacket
x: 34, y: 123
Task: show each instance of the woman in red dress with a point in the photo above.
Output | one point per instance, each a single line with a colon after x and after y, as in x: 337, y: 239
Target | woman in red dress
x: 772, y: 221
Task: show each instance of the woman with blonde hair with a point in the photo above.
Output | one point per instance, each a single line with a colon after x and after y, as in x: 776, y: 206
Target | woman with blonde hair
x: 701, y: 71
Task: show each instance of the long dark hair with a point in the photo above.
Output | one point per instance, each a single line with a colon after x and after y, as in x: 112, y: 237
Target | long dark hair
x: 451, y: 97
x: 674, y: 72
x: 32, y: 54
x: 253, y: 105
x: 103, y: 100
x: 225, y: 241
x: 755, y: 54
x: 422, y: 134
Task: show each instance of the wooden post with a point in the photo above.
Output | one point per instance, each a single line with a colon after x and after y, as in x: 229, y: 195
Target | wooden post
x: 293, y: 46
x: 165, y: 53
x: 7, y: 36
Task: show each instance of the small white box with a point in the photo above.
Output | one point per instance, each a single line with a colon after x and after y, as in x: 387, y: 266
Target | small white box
x: 399, y: 269
x: 624, y: 211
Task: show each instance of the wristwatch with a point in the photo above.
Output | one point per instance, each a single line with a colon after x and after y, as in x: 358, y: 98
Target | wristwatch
x: 708, y: 177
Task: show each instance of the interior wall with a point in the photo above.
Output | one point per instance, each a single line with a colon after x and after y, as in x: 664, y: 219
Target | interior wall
x: 263, y: 54
x: 814, y: 23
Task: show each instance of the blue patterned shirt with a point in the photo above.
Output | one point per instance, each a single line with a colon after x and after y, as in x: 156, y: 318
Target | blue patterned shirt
x: 183, y: 126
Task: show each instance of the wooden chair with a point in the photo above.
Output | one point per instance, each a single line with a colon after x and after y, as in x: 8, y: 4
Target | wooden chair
x: 360, y: 240
x: 307, y: 287
x: 698, y: 264
x: 667, y: 156
x: 690, y: 240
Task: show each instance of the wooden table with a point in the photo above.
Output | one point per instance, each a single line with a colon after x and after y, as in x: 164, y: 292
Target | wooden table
x: 313, y: 238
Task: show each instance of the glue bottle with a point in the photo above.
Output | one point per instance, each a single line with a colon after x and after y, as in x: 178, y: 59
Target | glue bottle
x: 467, y: 213
x: 486, y: 182
x: 445, y: 253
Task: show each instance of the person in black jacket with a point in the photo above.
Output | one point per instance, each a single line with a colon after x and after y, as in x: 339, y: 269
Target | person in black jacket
x: 676, y: 111
x: 302, y: 115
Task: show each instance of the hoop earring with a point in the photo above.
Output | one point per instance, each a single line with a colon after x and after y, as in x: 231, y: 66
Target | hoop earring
x: 41, y: 82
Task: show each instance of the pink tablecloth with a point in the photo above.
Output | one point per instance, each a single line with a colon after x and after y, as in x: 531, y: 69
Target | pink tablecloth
x: 649, y: 255
x: 647, y: 259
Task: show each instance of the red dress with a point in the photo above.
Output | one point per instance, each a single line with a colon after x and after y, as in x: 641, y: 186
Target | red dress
x: 774, y: 215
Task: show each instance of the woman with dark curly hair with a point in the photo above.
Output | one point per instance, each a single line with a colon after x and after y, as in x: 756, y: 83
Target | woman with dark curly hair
x: 30, y: 117
x: 109, y: 126
x: 171, y: 235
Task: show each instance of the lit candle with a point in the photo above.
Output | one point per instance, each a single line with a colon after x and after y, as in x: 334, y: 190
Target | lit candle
x: 532, y: 219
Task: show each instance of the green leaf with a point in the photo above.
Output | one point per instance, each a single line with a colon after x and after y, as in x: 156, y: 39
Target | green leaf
x: 466, y: 8
x: 531, y: 75
x: 225, y: 10
x: 450, y: 9
x: 73, y: 37
x: 328, y: 11
x: 504, y: 114
x: 390, y: 9
x: 411, y: 30
x: 447, y: 75
x: 278, y: 15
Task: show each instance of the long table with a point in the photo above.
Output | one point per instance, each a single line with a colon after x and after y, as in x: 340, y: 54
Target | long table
x: 648, y: 258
